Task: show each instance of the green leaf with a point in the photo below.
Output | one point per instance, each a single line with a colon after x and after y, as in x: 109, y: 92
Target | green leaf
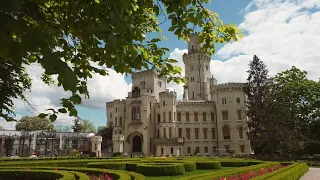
x: 52, y: 117
x: 42, y: 115
x: 32, y: 58
x: 62, y: 110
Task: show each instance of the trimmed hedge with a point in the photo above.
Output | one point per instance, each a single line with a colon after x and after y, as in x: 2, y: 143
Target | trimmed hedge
x: 108, y: 165
x: 234, y: 164
x: 229, y: 173
x: 208, y: 165
x: 160, y: 169
x: 293, y: 173
x: 80, y: 175
x: 6, y: 174
x: 188, y: 165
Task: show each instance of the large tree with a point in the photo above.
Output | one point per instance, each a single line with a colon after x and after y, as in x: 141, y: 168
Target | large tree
x: 34, y: 123
x: 83, y: 126
x: 74, y: 39
x: 76, y: 127
x: 257, y: 90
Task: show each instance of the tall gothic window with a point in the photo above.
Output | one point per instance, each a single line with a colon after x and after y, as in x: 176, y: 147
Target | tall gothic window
x: 135, y: 113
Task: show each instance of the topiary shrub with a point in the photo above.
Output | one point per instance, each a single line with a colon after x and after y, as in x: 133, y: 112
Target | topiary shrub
x: 160, y: 169
x: 208, y: 165
x: 108, y: 165
x: 35, y: 174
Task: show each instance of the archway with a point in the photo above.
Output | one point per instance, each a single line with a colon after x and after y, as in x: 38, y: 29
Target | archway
x: 136, y: 144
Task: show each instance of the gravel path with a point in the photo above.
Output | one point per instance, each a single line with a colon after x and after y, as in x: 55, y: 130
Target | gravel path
x: 312, y: 174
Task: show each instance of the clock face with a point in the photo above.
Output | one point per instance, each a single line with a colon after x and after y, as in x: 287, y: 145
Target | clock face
x: 191, y: 67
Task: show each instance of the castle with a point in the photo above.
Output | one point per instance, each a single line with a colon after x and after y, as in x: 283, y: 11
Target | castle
x: 209, y: 120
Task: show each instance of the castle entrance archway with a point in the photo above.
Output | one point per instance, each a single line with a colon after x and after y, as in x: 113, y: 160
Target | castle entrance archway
x: 137, y: 144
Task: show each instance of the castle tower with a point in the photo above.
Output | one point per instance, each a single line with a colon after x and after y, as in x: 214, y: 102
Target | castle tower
x: 197, y: 70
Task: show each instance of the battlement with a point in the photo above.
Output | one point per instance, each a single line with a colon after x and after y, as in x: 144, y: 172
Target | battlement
x: 195, y: 103
x: 192, y: 56
x: 145, y: 73
x: 168, y: 93
x: 116, y: 102
x: 228, y: 87
x: 118, y: 137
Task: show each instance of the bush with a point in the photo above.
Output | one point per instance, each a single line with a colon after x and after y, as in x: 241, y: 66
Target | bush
x: 108, y: 165
x: 229, y: 173
x: 293, y: 173
x: 208, y: 165
x: 35, y: 174
x: 234, y: 163
x: 188, y: 165
x: 160, y: 169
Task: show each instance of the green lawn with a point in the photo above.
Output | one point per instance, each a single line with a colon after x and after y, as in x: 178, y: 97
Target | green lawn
x: 190, y: 173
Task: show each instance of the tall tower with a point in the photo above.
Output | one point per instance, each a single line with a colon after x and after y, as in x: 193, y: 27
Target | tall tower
x: 197, y: 70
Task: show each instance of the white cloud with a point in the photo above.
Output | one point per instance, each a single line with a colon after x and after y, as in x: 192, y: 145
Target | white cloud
x: 282, y: 33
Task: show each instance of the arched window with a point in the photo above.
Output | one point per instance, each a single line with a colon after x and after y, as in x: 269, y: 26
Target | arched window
x: 150, y: 105
x: 116, y: 109
x: 170, y: 132
x: 226, y: 132
x: 192, y: 48
x: 193, y: 94
x: 240, y: 132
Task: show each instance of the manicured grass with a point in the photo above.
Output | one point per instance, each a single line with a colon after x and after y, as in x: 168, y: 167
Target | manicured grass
x: 190, y: 173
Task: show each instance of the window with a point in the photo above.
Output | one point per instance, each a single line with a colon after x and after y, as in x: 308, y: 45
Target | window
x: 159, y: 83
x: 214, y: 149
x: 135, y: 113
x: 191, y: 67
x: 192, y: 48
x: 161, y: 150
x: 204, y: 117
x: 239, y: 115
x: 196, y: 133
x: 179, y: 116
x: 116, y: 109
x: 238, y: 100
x: 242, y: 148
x: 224, y: 100
x: 207, y: 67
x: 240, y: 133
x: 192, y: 94
x: 164, y: 103
x: 143, y: 84
x: 159, y: 118
x: 195, y: 117
x: 212, y: 117
x: 188, y: 150
x: 164, y: 132
x: 170, y: 132
x: 225, y: 115
x: 120, y: 132
x: 172, y: 150
x: 227, y: 147
x: 197, y: 150
x: 226, y: 132
x: 192, y: 79
x: 213, y: 133
x: 205, y: 133
x: 116, y: 123
x: 150, y: 118
x: 188, y: 133
x: 174, y: 117
x: 120, y: 121
x: 164, y: 117
x: 179, y: 132
x: 170, y: 117
x: 206, y: 149
x: 150, y: 105
x: 158, y: 133
x: 110, y: 115
x: 187, y: 117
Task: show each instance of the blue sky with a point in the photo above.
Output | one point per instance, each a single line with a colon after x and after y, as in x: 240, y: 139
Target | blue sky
x: 282, y: 33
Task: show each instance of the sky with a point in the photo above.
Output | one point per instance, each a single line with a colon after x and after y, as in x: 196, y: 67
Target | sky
x: 283, y: 33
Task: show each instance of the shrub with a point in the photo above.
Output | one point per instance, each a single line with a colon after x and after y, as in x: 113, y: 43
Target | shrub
x: 208, y: 165
x: 188, y: 165
x: 36, y: 174
x: 108, y: 165
x: 234, y: 163
x: 294, y: 172
x: 161, y: 169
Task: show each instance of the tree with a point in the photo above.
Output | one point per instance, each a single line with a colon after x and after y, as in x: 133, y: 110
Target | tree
x: 87, y: 126
x: 77, y: 127
x: 296, y: 106
x: 100, y: 128
x: 34, y: 123
x: 63, y: 128
x: 8, y: 145
x: 257, y: 90
x: 13, y: 82
x: 73, y: 39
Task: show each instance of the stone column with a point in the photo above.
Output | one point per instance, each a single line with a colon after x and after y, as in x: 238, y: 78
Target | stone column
x: 60, y: 142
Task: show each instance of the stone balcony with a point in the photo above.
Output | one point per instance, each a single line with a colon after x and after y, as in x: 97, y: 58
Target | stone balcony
x: 118, y: 137
x: 176, y: 141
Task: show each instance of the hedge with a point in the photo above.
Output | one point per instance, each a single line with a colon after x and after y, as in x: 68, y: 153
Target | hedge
x: 160, y: 169
x: 188, y: 165
x: 208, y: 165
x: 293, y: 173
x: 229, y: 173
x: 108, y: 165
x: 234, y: 163
x: 80, y: 175
x: 6, y: 174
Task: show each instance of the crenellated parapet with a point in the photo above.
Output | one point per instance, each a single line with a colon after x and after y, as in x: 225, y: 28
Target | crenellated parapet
x: 118, y: 137
x: 195, y: 103
x: 227, y: 87
x: 168, y: 94
x: 146, y: 73
x: 187, y: 57
x: 115, y: 102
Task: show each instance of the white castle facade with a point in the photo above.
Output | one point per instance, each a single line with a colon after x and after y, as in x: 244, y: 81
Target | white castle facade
x: 209, y: 120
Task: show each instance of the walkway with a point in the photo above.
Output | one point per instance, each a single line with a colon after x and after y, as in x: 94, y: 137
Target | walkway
x: 312, y: 174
